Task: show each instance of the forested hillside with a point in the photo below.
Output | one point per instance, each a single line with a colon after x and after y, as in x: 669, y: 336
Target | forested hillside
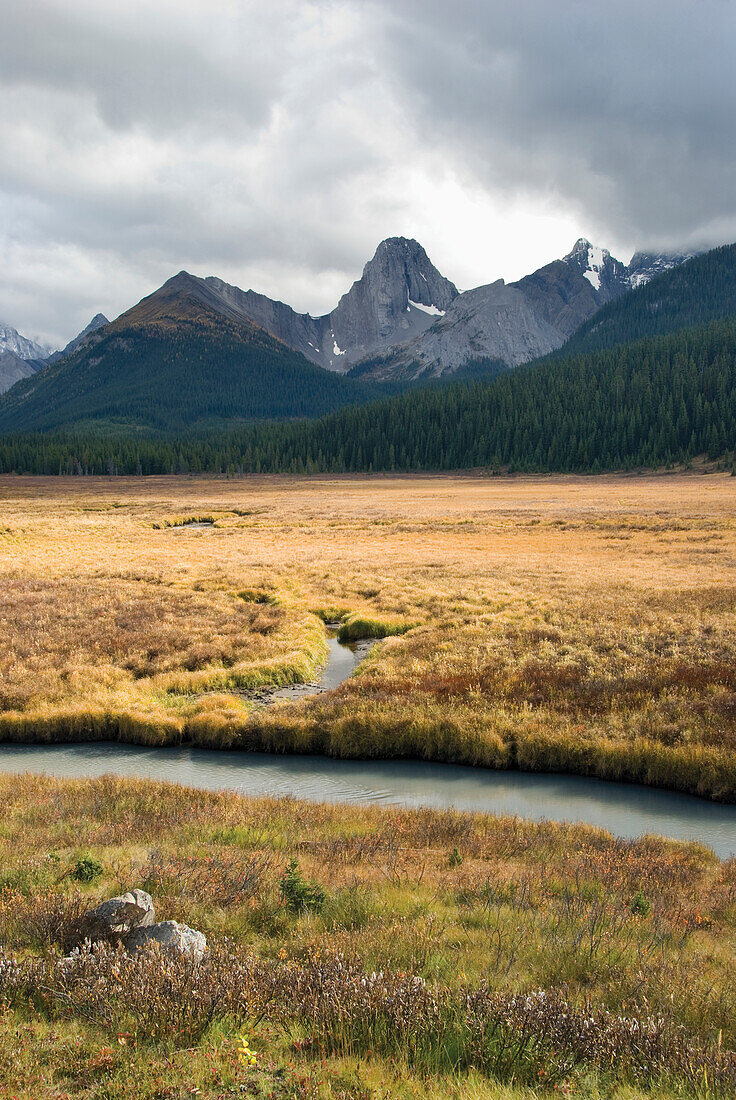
x: 650, y: 404
x: 168, y: 378
x: 701, y: 290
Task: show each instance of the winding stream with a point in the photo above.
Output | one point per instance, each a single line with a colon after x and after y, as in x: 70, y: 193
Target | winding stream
x: 343, y: 659
x: 625, y: 810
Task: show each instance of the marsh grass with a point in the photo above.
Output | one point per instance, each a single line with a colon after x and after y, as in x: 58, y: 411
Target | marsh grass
x: 553, y: 624
x: 356, y: 627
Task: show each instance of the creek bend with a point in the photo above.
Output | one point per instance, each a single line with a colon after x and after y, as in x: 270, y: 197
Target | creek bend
x: 626, y: 810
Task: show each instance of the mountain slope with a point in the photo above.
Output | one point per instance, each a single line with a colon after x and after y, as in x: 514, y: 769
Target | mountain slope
x: 13, y: 368
x: 655, y: 402
x: 172, y: 362
x: 491, y: 322
x: 698, y: 290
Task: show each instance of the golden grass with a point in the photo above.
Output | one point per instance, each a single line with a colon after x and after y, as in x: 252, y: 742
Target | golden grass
x: 583, y: 624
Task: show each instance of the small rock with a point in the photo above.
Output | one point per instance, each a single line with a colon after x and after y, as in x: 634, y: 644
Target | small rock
x: 119, y: 916
x: 171, y: 935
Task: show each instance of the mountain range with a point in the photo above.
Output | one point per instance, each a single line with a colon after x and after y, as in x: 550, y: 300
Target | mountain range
x: 649, y: 380
x: 401, y: 322
x: 516, y: 322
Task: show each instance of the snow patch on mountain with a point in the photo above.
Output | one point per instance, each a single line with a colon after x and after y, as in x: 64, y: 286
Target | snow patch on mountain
x: 596, y: 260
x: 433, y: 311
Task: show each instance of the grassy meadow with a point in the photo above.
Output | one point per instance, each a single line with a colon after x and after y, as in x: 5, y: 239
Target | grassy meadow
x: 404, y: 954
x: 574, y: 624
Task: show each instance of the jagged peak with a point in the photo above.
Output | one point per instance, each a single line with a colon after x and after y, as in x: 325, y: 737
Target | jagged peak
x: 584, y: 249
x: 407, y: 255
x: 389, y: 243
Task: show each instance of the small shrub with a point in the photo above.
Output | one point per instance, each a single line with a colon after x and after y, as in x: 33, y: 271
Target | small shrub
x: 87, y: 870
x: 220, y: 880
x: 52, y: 918
x: 640, y: 904
x: 300, y: 896
x: 454, y: 859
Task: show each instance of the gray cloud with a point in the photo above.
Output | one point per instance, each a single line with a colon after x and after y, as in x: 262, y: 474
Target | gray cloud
x: 626, y: 109
x: 276, y: 144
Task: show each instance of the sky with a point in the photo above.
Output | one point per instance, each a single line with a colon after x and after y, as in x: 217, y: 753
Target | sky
x: 275, y: 144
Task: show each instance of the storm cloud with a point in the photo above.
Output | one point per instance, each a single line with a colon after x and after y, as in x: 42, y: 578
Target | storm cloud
x: 276, y: 144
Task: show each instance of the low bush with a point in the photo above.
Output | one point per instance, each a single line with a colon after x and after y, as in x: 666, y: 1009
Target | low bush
x: 298, y: 894
x: 536, y: 1037
x: 87, y: 870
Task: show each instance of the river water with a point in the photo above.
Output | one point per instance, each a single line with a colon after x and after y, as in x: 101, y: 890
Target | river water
x: 625, y: 810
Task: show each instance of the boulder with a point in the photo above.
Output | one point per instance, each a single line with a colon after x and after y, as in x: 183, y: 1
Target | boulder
x: 170, y: 935
x: 117, y: 917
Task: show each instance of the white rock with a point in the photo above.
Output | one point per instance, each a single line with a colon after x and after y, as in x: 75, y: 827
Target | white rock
x: 170, y: 935
x: 119, y: 916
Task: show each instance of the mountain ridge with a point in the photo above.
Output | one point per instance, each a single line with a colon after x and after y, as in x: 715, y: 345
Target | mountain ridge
x: 171, y: 362
x: 97, y: 322
x: 400, y: 323
x: 396, y: 297
x: 491, y: 322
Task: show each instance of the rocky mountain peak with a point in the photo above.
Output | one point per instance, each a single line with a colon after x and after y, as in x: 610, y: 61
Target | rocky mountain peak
x: 98, y: 321
x: 403, y: 271
x: 604, y: 272
x: 21, y: 346
x: 398, y: 296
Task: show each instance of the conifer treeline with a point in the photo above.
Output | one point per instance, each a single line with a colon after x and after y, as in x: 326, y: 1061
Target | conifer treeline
x: 658, y: 402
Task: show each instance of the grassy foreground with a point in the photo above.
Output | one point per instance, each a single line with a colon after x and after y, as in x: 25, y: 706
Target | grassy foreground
x: 406, y: 954
x: 571, y: 624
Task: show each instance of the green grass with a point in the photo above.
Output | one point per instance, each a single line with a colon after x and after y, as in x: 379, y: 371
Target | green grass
x: 356, y: 627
